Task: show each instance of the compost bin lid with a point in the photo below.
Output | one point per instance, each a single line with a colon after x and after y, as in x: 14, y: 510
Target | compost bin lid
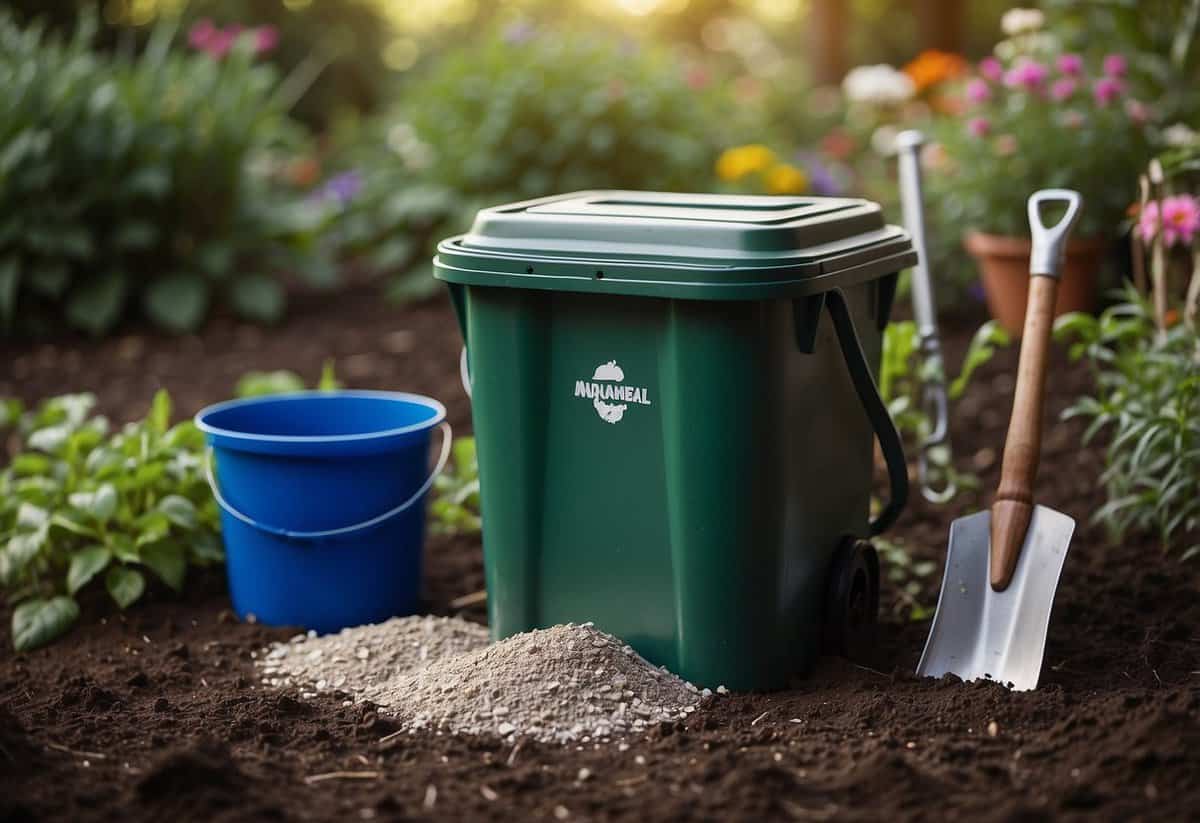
x: 658, y: 244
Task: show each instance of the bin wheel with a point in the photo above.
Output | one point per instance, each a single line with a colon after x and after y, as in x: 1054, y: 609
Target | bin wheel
x: 852, y: 599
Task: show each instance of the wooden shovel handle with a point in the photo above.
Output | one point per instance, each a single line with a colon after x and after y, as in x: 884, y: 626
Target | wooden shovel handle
x: 1012, y: 508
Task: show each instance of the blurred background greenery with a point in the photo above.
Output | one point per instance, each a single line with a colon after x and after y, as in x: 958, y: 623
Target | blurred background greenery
x: 162, y: 159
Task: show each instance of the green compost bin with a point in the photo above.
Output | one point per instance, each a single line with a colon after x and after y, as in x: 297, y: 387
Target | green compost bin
x: 673, y: 416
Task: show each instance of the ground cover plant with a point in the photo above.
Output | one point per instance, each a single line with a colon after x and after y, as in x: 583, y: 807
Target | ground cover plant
x: 140, y: 183
x: 79, y: 503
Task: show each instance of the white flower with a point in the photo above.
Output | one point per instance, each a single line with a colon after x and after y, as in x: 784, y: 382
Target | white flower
x: 1021, y: 21
x: 1180, y: 134
x: 879, y: 85
x: 883, y: 140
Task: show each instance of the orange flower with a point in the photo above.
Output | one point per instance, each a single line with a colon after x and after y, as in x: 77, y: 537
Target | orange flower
x: 304, y: 171
x: 932, y: 68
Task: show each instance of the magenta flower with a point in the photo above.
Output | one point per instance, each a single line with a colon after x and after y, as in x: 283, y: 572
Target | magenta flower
x: 201, y: 34
x: 220, y: 43
x: 978, y: 91
x: 1106, y: 90
x: 991, y: 69
x: 979, y: 126
x: 1063, y: 88
x: 1115, y: 65
x: 1070, y: 64
x: 266, y: 38
x: 1028, y: 74
x: 1181, y: 220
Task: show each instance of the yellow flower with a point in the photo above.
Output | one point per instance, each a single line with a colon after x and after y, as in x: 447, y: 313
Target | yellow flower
x: 737, y: 162
x: 786, y: 179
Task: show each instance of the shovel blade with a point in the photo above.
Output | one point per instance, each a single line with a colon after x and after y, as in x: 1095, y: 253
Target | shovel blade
x: 981, y: 633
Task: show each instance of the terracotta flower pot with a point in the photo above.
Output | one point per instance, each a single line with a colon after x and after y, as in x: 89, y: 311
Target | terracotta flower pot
x: 1004, y: 268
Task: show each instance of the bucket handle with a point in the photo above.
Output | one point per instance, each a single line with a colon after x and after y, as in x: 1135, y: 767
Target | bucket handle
x: 344, y: 530
x: 877, y: 413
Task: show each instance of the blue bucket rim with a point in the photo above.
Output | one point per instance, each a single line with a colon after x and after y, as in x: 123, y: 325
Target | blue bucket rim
x: 406, y: 397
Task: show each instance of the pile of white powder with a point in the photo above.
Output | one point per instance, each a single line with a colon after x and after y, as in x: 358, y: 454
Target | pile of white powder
x: 565, y: 684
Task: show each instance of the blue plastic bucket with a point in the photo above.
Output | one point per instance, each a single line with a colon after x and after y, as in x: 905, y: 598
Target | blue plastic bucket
x: 322, y: 503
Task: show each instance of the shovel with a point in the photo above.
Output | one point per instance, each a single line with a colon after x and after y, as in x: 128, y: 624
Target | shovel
x: 1003, y: 565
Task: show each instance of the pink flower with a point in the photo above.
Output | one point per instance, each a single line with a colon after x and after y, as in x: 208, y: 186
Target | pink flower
x: 1070, y: 64
x: 1062, y: 88
x: 991, y: 69
x: 1181, y: 220
x: 220, y: 43
x: 978, y: 126
x: 1138, y: 111
x: 1106, y: 90
x: 1115, y: 65
x: 266, y: 38
x: 978, y: 91
x: 1028, y: 74
x: 201, y: 34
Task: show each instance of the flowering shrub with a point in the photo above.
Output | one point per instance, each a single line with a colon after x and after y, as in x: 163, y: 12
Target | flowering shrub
x: 756, y: 168
x: 127, y: 183
x: 1037, y: 117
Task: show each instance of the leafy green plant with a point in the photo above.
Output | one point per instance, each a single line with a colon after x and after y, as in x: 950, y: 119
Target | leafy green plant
x: 260, y: 383
x: 903, y: 377
x: 1147, y: 399
x: 455, y: 506
x: 906, y: 576
x: 143, y: 183
x: 82, y: 506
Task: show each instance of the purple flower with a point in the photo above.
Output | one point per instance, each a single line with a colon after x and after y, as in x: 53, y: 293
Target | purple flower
x: 1115, y: 65
x: 991, y: 69
x: 341, y: 188
x: 979, y: 126
x: 821, y: 177
x: 1106, y: 90
x: 978, y: 91
x: 1063, y: 88
x: 1028, y: 74
x: 1070, y: 64
x: 519, y: 31
x: 976, y: 292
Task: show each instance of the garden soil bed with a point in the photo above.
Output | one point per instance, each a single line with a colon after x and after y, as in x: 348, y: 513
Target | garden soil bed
x: 156, y: 714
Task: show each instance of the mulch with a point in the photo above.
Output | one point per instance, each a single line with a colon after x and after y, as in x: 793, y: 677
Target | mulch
x: 155, y: 713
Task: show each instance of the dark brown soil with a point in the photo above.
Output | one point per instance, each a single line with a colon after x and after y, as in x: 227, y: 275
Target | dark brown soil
x: 155, y: 714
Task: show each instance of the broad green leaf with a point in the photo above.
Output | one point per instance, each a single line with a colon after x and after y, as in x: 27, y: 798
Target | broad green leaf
x: 257, y: 297
x: 179, y: 510
x: 152, y: 526
x: 101, y: 504
x: 85, y: 565
x: 168, y: 560
x: 95, y: 305
x: 36, y: 622
x: 160, y: 412
x: 149, y: 181
x: 125, y: 585
x: 177, y: 302
x: 23, y: 547
x: 123, y: 548
x: 981, y: 349
x: 31, y: 517
x: 67, y: 521
x: 50, y: 279
x: 205, y: 547
x: 11, y: 410
x: 258, y: 383
x: 50, y: 439
x: 29, y: 464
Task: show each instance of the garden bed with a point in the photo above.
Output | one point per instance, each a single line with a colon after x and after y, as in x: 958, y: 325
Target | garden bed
x: 157, y: 713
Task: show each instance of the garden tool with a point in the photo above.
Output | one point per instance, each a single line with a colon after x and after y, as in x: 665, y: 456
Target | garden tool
x: 1003, y: 565
x: 935, y: 446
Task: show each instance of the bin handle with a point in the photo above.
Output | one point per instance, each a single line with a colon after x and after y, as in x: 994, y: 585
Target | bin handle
x: 343, y: 530
x: 877, y: 413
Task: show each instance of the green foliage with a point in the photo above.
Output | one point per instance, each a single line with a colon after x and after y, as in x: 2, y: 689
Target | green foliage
x: 136, y: 183
x: 517, y: 113
x: 903, y: 377
x: 260, y: 383
x: 455, y: 506
x: 1147, y: 400
x: 79, y: 504
x: 906, y: 576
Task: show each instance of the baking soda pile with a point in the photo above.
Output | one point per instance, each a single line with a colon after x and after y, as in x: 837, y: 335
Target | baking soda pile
x: 566, y: 684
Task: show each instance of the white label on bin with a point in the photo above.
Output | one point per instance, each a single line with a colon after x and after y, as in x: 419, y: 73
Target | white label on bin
x: 609, y: 398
